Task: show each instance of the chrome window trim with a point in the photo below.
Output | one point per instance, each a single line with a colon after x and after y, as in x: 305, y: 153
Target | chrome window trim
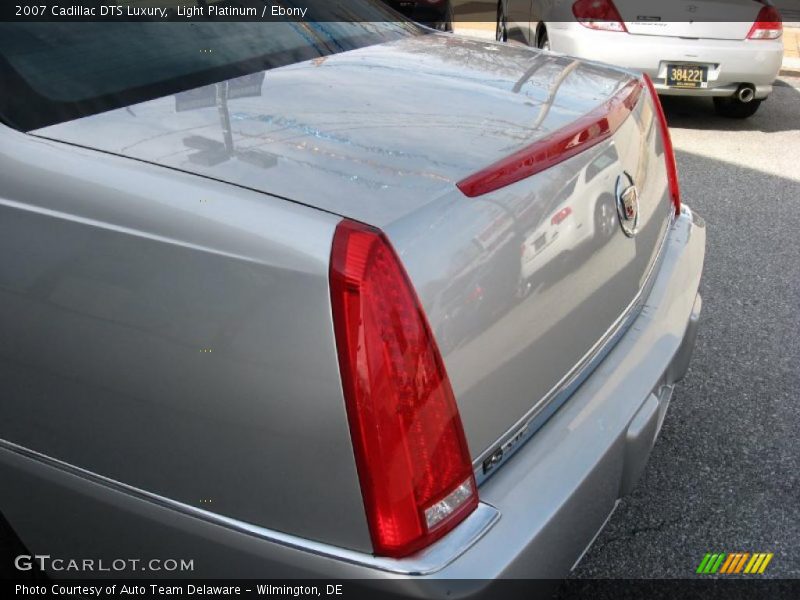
x: 425, y: 562
x: 524, y: 429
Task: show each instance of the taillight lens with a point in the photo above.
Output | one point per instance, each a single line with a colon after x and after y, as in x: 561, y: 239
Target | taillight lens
x: 598, y: 14
x: 411, y: 453
x: 768, y: 25
x: 669, y: 152
x: 559, y: 217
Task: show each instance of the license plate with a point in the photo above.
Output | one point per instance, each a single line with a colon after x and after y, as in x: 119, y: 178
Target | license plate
x: 687, y: 76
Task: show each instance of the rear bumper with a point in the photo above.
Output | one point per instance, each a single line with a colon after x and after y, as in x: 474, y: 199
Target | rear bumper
x: 538, y: 513
x: 556, y: 494
x: 731, y: 62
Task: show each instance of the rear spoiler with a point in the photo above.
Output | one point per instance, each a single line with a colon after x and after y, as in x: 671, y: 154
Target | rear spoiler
x: 583, y: 133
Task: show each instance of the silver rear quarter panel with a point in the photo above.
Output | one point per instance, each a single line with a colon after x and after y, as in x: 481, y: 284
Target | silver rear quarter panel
x: 174, y: 333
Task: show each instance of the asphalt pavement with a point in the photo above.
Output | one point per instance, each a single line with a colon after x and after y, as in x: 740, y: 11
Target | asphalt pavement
x: 724, y: 475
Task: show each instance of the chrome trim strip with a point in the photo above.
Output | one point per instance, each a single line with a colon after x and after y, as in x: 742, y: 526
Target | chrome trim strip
x: 430, y: 560
x: 538, y: 415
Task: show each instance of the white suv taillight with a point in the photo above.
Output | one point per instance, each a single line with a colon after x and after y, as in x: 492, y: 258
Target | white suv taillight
x: 410, y: 450
x: 768, y: 25
x: 599, y: 14
x: 669, y: 152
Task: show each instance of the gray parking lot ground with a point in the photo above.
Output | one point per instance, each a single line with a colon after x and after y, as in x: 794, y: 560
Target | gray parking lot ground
x: 725, y: 473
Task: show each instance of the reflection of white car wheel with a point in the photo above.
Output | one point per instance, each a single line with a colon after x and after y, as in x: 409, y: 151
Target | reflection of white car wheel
x: 524, y: 288
x: 605, y: 216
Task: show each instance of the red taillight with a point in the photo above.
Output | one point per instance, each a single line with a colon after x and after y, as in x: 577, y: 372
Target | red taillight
x: 598, y: 14
x: 669, y: 153
x: 768, y: 25
x: 412, y: 457
x: 559, y: 217
x: 587, y: 131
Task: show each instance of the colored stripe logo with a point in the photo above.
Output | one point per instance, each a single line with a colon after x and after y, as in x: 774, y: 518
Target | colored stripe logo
x: 734, y: 563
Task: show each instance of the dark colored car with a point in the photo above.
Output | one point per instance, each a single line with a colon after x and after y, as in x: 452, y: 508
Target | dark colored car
x: 433, y: 13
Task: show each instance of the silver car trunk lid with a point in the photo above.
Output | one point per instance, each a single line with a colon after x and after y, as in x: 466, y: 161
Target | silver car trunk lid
x: 520, y: 285
x: 528, y: 286
x: 371, y: 134
x: 690, y: 18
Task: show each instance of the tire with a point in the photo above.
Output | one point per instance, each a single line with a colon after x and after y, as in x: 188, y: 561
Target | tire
x: 605, y: 218
x: 733, y: 108
x: 11, y: 546
x: 446, y: 24
x: 524, y: 288
x: 501, y: 32
x: 543, y: 40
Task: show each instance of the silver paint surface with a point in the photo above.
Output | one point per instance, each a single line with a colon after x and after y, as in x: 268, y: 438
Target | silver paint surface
x: 153, y: 324
x: 372, y: 134
x: 174, y: 332
x: 552, y: 498
x: 382, y: 134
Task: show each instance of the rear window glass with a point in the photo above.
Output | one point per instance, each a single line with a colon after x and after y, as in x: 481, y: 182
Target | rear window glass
x: 55, y: 72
